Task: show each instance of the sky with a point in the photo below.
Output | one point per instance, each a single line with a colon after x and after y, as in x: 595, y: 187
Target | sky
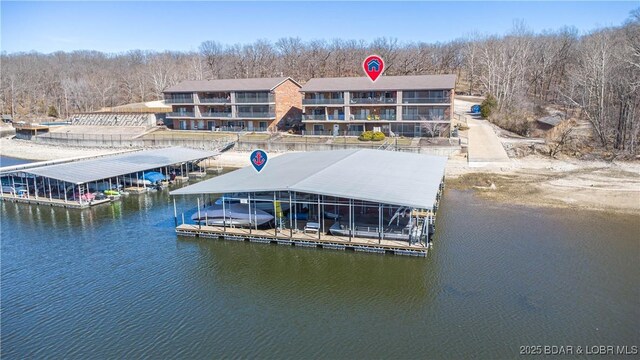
x: 119, y: 26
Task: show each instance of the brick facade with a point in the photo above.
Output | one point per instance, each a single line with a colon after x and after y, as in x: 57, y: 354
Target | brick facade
x: 288, y: 105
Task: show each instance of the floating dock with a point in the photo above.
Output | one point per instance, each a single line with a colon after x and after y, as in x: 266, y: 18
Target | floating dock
x: 301, y: 239
x: 70, y: 184
x: 362, y: 200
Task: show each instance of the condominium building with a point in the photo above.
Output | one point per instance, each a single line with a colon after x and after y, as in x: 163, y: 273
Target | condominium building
x: 411, y: 106
x: 234, y: 104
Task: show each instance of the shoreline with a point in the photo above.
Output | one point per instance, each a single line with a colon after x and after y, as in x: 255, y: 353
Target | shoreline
x: 529, y: 181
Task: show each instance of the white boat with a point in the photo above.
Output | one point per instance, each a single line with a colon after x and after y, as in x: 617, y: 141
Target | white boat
x: 234, y: 214
x: 261, y: 202
x: 137, y: 182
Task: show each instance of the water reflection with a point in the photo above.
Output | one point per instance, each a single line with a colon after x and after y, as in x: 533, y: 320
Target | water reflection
x: 313, y: 274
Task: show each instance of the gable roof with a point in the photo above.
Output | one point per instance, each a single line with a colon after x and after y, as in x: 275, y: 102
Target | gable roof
x: 415, y: 82
x: 83, y: 171
x: 388, y: 177
x: 254, y: 84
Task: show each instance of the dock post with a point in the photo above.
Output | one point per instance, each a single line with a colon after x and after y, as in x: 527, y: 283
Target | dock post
x: 379, y: 223
x: 175, y: 212
x: 199, y: 222
x: 290, y: 217
x: 206, y: 217
x: 249, y: 202
x: 65, y: 191
x: 350, y: 218
x: 319, y: 219
x: 224, y: 215
x: 50, y: 195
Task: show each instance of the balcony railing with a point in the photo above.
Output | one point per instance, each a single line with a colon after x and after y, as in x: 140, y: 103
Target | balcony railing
x: 179, y: 100
x: 421, y: 117
x: 380, y: 117
x: 215, y: 100
x: 335, y: 117
x: 373, y: 101
x: 319, y: 132
x: 181, y: 114
x: 256, y: 115
x: 428, y: 100
x: 322, y: 101
x: 314, y: 117
x: 216, y: 114
x: 255, y: 99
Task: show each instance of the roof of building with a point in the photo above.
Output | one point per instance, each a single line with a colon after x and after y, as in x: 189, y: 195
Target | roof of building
x: 83, y: 171
x: 256, y: 84
x: 416, y: 82
x: 157, y: 106
x: 388, y: 177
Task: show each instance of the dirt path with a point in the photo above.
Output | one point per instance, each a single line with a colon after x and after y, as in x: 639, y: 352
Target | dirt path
x: 484, y: 146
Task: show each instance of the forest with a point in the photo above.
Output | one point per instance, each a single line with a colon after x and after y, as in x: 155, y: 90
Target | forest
x: 594, y: 76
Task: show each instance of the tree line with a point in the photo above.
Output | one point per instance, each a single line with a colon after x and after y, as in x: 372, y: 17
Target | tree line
x: 596, y: 74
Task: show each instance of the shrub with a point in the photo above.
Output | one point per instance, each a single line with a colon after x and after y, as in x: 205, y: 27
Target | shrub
x: 377, y: 136
x: 53, y: 112
x: 366, y: 136
x: 488, y: 105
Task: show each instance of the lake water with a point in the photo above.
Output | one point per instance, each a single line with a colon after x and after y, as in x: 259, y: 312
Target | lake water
x: 114, y: 281
x: 8, y: 161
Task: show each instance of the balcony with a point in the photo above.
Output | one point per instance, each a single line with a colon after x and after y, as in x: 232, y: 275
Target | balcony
x: 179, y: 100
x: 256, y: 115
x: 374, y: 117
x: 186, y: 114
x: 358, y: 101
x: 314, y: 117
x: 322, y: 101
x: 212, y: 114
x: 254, y: 99
x: 428, y: 100
x: 422, y: 117
x: 214, y: 100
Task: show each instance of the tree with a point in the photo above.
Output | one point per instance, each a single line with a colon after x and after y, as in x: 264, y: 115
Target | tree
x: 53, y: 112
x: 489, y: 104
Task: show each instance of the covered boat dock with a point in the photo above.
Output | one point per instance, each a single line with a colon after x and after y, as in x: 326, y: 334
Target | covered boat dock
x: 362, y: 200
x: 72, y: 184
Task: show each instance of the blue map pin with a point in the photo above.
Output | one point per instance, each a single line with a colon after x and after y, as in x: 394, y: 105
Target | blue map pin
x: 258, y: 159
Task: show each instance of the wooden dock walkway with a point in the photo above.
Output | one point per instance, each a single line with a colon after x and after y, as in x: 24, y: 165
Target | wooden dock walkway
x: 52, y: 202
x: 302, y: 239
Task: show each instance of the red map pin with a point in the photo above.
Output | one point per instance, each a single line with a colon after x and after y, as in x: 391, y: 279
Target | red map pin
x: 373, y: 66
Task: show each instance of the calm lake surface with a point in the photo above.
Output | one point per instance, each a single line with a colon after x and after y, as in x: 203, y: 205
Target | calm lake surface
x: 8, y: 161
x: 114, y: 281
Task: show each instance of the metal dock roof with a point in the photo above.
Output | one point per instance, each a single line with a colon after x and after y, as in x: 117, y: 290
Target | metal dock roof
x: 83, y: 171
x: 388, y: 177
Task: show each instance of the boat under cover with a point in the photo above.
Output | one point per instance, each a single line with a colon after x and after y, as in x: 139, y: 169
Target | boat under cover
x: 235, y: 214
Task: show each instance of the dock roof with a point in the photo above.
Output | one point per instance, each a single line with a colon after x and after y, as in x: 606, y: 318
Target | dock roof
x: 415, y: 82
x: 387, y: 177
x: 253, y: 84
x: 84, y: 171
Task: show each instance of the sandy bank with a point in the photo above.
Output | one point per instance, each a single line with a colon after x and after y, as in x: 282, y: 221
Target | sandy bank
x: 538, y: 181
x: 24, y: 149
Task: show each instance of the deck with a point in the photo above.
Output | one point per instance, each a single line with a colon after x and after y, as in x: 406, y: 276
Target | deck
x: 52, y: 202
x: 302, y: 239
